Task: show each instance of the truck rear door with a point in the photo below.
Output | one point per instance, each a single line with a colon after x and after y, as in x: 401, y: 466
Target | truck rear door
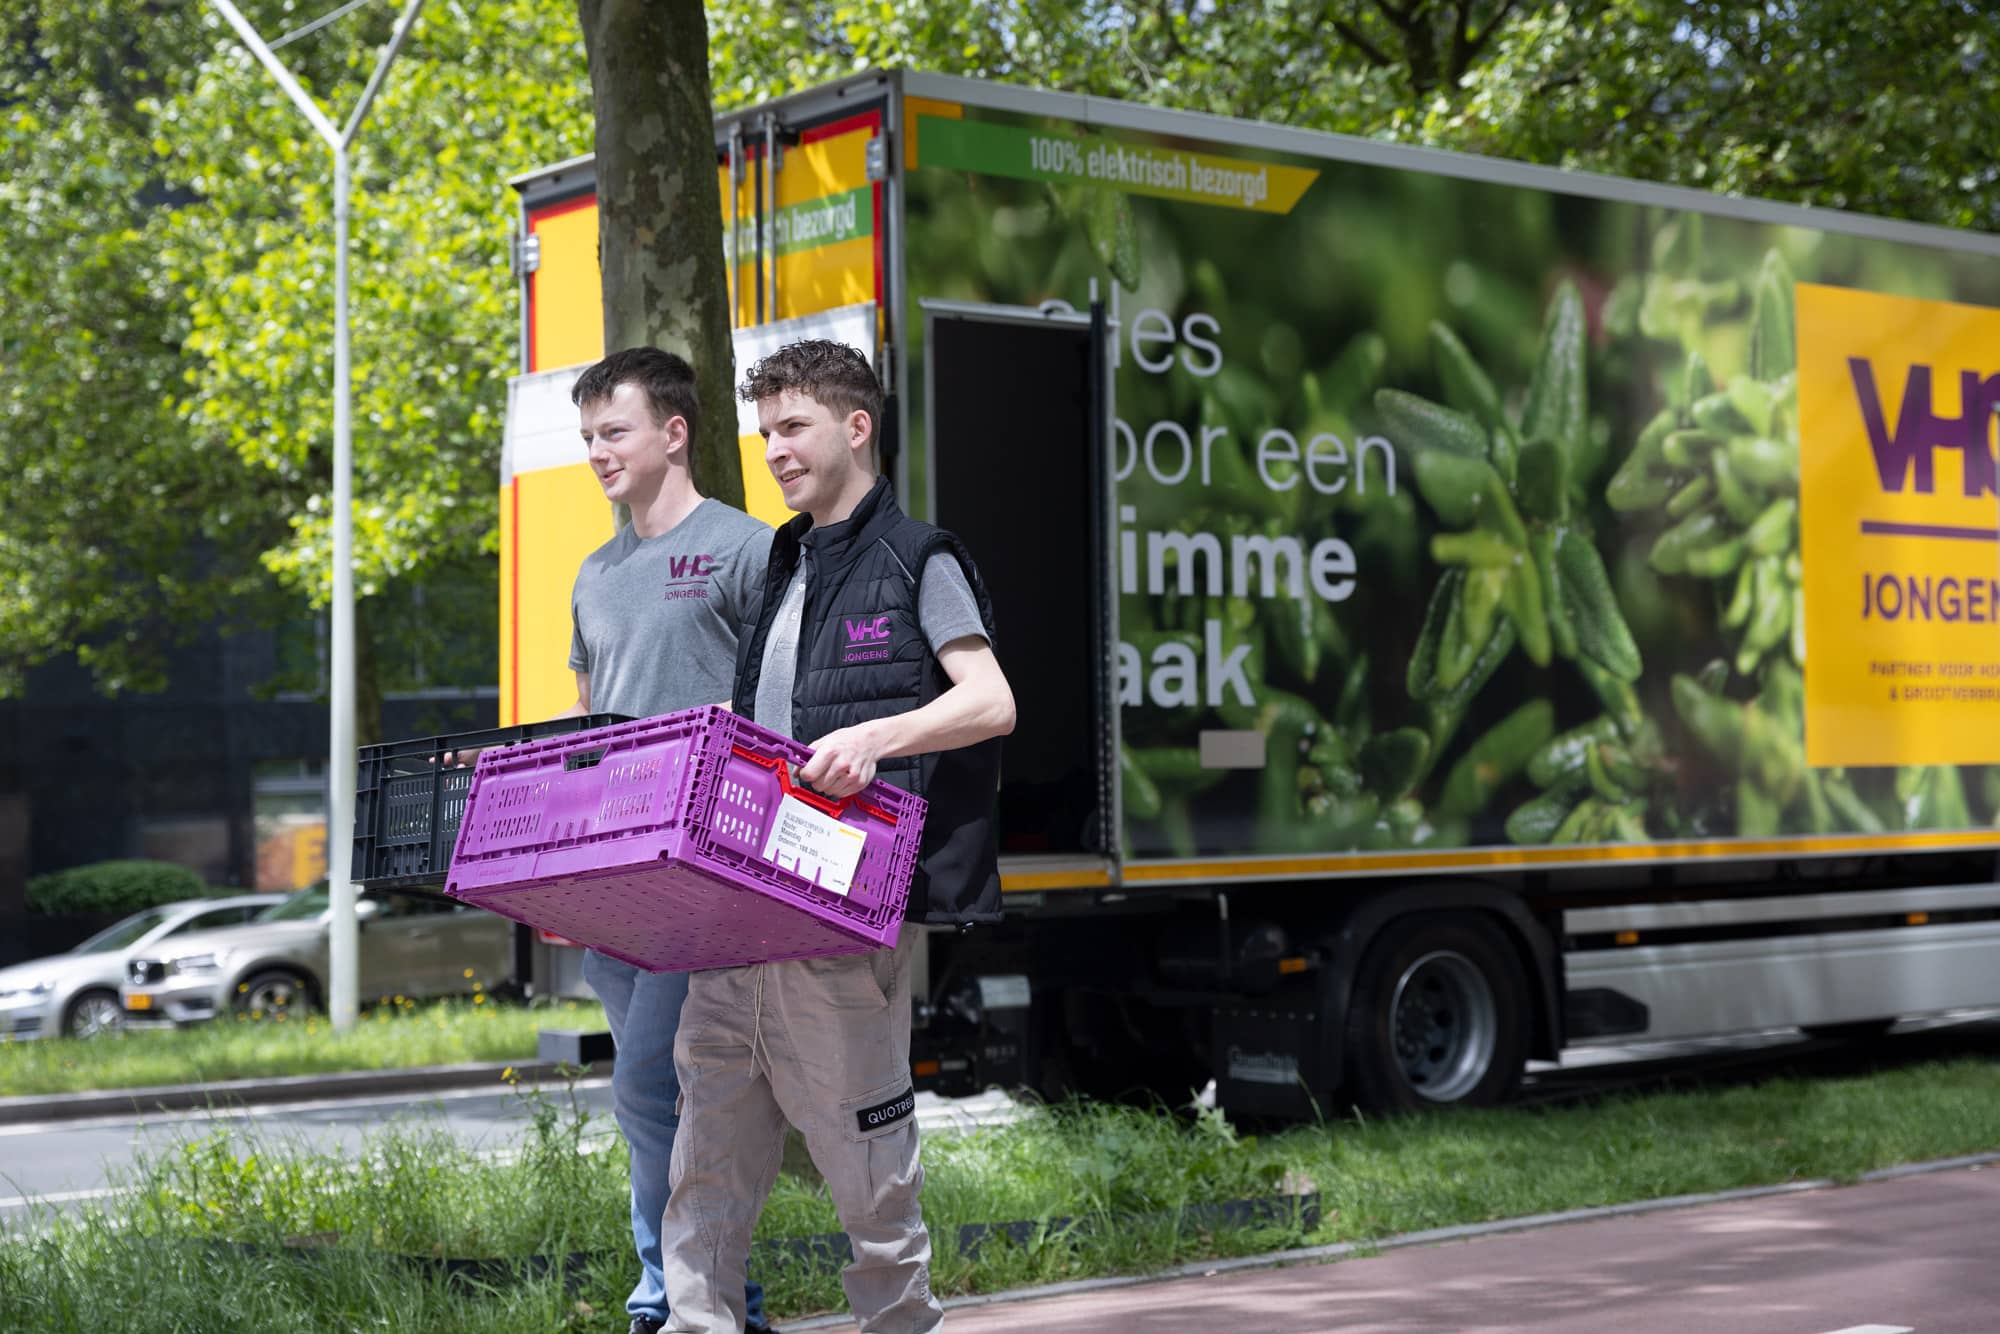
x: 1018, y: 408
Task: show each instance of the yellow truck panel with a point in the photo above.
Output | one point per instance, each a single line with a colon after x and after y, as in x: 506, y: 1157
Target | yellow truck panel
x: 822, y: 251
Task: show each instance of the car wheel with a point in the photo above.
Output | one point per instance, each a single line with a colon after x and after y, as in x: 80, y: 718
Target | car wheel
x: 272, y: 994
x: 93, y: 1014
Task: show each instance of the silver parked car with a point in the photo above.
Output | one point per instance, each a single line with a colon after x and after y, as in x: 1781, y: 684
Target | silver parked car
x: 76, y: 994
x: 409, y: 946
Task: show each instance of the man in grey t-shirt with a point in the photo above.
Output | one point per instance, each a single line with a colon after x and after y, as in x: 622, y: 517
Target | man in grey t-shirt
x: 655, y: 619
x: 656, y: 614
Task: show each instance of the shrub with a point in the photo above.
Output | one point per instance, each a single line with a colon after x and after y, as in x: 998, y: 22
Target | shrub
x: 113, y: 887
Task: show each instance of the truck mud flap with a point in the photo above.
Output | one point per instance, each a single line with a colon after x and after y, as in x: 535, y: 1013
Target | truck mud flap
x: 1269, y: 1058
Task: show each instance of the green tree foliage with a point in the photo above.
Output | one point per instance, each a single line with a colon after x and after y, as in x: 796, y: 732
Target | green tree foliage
x: 1889, y: 110
x: 100, y: 497
x: 168, y: 277
x: 1880, y: 109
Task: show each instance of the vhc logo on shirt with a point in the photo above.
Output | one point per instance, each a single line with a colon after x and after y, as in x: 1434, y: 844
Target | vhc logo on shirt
x: 689, y: 576
x: 866, y: 638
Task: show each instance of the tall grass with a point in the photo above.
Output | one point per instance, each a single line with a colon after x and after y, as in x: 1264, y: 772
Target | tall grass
x: 394, y: 1034
x: 224, y: 1234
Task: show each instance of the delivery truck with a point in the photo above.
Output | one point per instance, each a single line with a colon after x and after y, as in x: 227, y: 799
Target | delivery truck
x: 1459, y: 610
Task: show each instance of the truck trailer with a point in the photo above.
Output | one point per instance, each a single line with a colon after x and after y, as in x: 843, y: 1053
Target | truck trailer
x: 1459, y: 609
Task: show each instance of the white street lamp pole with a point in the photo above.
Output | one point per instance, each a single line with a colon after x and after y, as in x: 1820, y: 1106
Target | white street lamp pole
x: 343, y: 983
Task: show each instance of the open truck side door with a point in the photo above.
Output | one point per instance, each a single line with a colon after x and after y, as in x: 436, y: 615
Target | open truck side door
x: 1018, y: 415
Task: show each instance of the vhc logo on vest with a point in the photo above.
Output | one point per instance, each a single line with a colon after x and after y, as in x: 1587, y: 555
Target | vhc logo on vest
x: 866, y: 639
x: 689, y: 576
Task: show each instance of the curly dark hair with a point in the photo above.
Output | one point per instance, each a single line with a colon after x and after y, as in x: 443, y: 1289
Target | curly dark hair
x: 667, y: 381
x: 834, y: 375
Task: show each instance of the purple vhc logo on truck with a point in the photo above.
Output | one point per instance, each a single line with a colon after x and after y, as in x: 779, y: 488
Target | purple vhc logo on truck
x: 1904, y: 455
x: 867, y: 639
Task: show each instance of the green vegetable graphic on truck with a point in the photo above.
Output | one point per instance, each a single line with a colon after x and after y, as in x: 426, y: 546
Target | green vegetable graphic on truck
x: 1593, y: 613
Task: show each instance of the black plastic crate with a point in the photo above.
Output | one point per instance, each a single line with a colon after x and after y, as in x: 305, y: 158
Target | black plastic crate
x: 408, y: 804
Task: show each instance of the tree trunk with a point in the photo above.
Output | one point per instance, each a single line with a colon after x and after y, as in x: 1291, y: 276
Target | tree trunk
x: 659, y: 209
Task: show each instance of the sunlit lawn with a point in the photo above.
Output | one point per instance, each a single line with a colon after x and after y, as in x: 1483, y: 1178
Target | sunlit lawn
x: 394, y: 1033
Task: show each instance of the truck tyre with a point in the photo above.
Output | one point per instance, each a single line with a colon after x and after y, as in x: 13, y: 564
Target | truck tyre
x: 1439, y: 1016
x: 272, y: 993
x: 92, y: 1014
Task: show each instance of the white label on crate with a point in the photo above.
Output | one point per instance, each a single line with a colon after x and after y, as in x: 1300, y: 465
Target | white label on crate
x: 814, y: 845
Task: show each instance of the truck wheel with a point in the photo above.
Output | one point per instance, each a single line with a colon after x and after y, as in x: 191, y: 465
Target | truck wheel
x: 93, y: 1014
x: 1439, y: 1016
x: 273, y: 993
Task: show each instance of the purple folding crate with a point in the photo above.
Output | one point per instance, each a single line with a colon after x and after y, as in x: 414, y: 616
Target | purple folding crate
x: 682, y: 842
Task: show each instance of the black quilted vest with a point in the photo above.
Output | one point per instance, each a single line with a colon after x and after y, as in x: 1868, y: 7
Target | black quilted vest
x: 863, y: 656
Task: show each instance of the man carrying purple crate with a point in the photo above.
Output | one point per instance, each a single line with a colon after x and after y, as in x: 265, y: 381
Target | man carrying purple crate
x: 657, y: 613
x: 874, y: 642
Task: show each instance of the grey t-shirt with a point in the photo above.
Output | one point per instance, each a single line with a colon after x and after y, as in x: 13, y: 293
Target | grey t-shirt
x: 946, y: 610
x: 655, y: 620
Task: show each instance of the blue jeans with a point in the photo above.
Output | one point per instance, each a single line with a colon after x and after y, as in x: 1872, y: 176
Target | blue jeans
x: 645, y: 1011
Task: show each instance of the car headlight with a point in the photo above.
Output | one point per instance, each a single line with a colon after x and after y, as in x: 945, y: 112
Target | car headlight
x: 193, y: 963
x: 41, y: 988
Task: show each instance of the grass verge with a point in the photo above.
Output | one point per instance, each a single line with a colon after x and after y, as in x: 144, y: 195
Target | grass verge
x: 226, y: 1234
x: 395, y: 1034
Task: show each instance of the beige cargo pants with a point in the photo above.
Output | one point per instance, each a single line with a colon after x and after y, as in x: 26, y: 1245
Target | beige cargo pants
x: 825, y: 1045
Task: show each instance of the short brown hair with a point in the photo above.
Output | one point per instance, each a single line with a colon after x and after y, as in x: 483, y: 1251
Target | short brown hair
x: 831, y: 374
x: 665, y: 379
